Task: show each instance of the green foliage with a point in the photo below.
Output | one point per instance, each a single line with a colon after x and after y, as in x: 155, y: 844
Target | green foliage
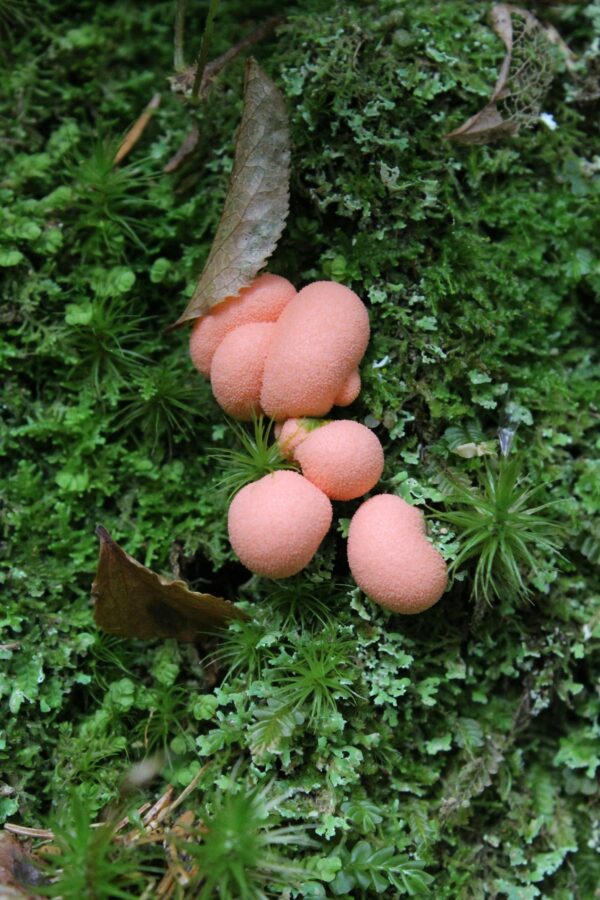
x: 87, y: 863
x: 107, y: 199
x: 164, y: 403
x: 100, y: 337
x: 442, y: 746
x: 380, y: 870
x: 259, y: 456
x: 316, y: 677
x: 240, y: 852
x: 499, y: 526
x: 243, y: 646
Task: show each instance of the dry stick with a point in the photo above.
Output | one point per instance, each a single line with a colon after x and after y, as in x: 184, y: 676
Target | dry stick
x: 204, y: 46
x: 137, y: 129
x: 29, y: 832
x: 152, y: 817
x: 183, y: 82
x: 191, y: 787
x: 46, y: 834
x: 187, y: 147
x: 257, y: 34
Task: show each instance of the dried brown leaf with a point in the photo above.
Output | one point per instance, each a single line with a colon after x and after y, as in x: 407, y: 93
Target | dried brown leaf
x: 524, y: 87
x: 137, y: 129
x: 257, y: 201
x: 133, y: 601
x: 186, y: 149
x: 17, y: 870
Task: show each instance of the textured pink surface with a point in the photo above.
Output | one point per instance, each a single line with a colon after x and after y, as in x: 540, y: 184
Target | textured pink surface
x: 237, y: 369
x: 290, y: 435
x: 319, y: 340
x: 350, y: 390
x: 262, y: 301
x: 390, y: 557
x: 277, y: 523
x: 344, y: 459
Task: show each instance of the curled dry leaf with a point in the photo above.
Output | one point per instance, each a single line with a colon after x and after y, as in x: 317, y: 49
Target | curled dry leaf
x: 185, y: 150
x: 523, y: 79
x: 137, y: 129
x: 133, y: 601
x: 18, y: 873
x: 257, y: 201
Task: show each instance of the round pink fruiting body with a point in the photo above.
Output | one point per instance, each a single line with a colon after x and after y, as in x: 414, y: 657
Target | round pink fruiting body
x: 262, y: 301
x: 277, y: 523
x: 319, y: 340
x: 237, y: 369
x: 390, y: 557
x: 290, y: 435
x: 342, y: 458
x: 350, y: 390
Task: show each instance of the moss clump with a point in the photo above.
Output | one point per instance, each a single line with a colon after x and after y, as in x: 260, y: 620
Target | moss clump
x: 442, y: 751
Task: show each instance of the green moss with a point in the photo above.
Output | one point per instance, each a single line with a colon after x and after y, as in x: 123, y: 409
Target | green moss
x: 464, y: 745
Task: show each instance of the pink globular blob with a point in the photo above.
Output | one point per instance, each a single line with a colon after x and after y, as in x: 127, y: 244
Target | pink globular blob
x: 343, y: 458
x: 237, y: 369
x: 261, y: 301
x: 350, y: 390
x: 319, y: 340
x: 290, y: 435
x: 390, y: 557
x: 277, y: 523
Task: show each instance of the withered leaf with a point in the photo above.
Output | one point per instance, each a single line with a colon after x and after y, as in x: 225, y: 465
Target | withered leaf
x: 186, y: 149
x: 137, y: 129
x: 18, y: 873
x: 133, y: 601
x: 257, y: 201
x: 521, y: 92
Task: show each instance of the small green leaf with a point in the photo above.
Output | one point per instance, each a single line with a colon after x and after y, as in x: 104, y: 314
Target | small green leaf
x: 159, y: 269
x: 205, y: 707
x: 10, y: 257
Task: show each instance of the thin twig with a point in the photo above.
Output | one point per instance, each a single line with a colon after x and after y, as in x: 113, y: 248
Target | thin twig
x: 183, y: 82
x: 191, y: 787
x: 151, y: 818
x: 204, y: 48
x: 29, y: 832
x: 187, y: 147
x: 137, y: 129
x: 125, y: 821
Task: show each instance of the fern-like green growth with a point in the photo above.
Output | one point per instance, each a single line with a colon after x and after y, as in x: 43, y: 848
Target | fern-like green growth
x: 237, y: 852
x: 101, y: 336
x: 320, y: 673
x: 242, y: 649
x: 162, y: 404
x: 89, y: 863
x: 259, y: 456
x: 381, y: 871
x: 500, y: 526
x: 108, y: 199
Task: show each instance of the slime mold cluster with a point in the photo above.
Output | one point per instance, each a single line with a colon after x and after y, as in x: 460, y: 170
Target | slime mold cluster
x: 293, y: 356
